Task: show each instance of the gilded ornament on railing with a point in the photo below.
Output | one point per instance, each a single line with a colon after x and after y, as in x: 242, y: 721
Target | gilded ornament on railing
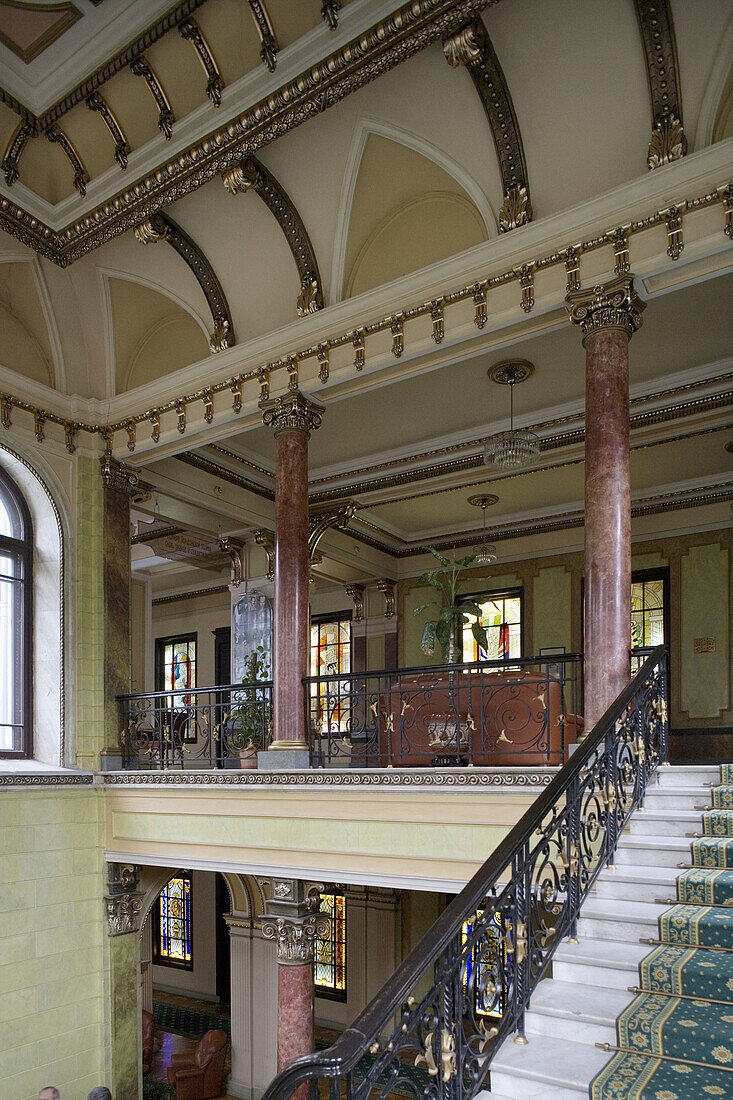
x: 668, y: 142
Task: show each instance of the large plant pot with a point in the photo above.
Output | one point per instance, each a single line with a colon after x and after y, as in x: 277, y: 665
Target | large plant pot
x: 248, y: 759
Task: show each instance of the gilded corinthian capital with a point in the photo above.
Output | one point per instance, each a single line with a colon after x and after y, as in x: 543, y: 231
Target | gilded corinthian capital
x: 292, y: 412
x: 613, y: 306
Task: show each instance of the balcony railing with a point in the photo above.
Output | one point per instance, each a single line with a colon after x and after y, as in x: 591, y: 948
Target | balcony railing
x: 469, y: 981
x: 485, y: 714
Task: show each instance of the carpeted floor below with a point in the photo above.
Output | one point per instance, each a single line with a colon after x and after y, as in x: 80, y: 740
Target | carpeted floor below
x: 675, y: 1039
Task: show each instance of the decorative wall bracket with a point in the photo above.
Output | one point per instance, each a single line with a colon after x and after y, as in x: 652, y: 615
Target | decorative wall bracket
x: 270, y: 47
x: 81, y: 176
x: 234, y: 553
x: 123, y: 900
x: 12, y: 155
x: 159, y: 227
x: 320, y: 522
x: 356, y: 592
x: 471, y: 46
x: 668, y: 140
x: 250, y: 175
x: 387, y: 588
x: 265, y: 540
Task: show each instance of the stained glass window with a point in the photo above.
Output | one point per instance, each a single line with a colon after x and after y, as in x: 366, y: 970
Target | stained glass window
x: 486, y: 967
x: 173, y: 925
x: 501, y: 617
x: 648, y: 611
x: 175, y: 670
x: 15, y: 620
x: 330, y: 656
x: 329, y: 969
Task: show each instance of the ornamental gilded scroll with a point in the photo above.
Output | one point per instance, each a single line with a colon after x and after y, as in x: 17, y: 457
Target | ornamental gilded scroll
x: 613, y: 306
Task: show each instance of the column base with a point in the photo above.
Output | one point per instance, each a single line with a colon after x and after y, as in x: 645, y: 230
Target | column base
x: 288, y: 760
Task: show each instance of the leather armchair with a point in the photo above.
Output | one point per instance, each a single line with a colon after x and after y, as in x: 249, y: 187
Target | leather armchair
x: 200, y: 1076
x: 148, y: 1035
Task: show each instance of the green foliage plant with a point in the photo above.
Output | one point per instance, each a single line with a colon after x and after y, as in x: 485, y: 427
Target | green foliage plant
x: 249, y: 718
x: 454, y: 611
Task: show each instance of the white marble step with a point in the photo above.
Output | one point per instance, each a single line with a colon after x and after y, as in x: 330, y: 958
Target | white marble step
x: 678, y: 798
x: 618, y: 919
x: 655, y: 851
x: 694, y: 775
x: 524, y: 1072
x: 637, y: 883
x: 563, y: 1010
x: 610, y: 964
x: 667, y: 821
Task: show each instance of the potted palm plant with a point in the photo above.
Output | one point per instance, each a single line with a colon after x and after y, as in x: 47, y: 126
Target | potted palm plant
x: 454, y: 611
x: 249, y: 718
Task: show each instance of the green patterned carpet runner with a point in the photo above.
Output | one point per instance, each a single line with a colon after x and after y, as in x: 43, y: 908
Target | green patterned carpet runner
x: 676, y: 1036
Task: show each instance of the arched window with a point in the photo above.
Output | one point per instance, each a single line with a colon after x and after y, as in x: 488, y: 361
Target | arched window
x: 173, y: 927
x: 16, y: 556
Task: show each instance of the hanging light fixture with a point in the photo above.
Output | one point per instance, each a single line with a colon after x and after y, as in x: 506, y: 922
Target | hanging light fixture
x: 486, y: 554
x: 518, y: 446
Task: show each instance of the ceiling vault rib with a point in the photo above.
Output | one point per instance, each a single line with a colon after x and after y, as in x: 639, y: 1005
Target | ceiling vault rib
x: 13, y: 153
x: 166, y: 118
x: 250, y: 175
x: 471, y: 46
x: 668, y: 141
x: 191, y: 458
x: 160, y: 227
x: 191, y: 32
x: 96, y: 102
x: 81, y: 177
x: 268, y: 39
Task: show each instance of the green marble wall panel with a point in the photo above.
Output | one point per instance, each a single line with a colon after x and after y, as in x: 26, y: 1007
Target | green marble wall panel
x: 124, y: 989
x: 705, y: 687
x: 89, y: 688
x: 52, y: 943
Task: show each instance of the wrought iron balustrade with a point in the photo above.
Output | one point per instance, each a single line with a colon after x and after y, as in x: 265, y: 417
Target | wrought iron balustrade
x: 196, y: 728
x: 484, y: 956
x: 490, y: 713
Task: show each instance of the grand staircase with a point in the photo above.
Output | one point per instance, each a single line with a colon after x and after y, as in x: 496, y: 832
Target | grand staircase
x: 668, y: 1006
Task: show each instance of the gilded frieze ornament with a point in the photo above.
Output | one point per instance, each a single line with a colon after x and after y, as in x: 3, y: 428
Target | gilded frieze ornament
x: 324, y: 366
x: 6, y: 408
x: 668, y: 142
x: 154, y: 425
x: 613, y: 306
x: 619, y: 237
x: 181, y: 414
x: 236, y: 388
x: 292, y: 412
x: 131, y: 434
x: 263, y: 377
x: 515, y: 209
x: 436, y: 315
x: 208, y: 406
x: 571, y: 255
x: 479, y: 301
x: 726, y: 194
x: 675, y: 243
x: 39, y: 429
x: 292, y: 368
x: 358, y: 341
x: 397, y: 328
x: 70, y: 430
x: 525, y: 275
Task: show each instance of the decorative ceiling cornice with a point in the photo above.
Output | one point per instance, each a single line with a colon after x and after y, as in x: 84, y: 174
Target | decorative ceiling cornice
x: 192, y: 458
x: 357, y: 338
x: 471, y: 46
x: 668, y: 141
x: 251, y: 175
x: 160, y: 227
x: 114, y: 65
x: 393, y: 40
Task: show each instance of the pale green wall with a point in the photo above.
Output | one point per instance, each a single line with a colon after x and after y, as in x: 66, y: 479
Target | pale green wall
x: 705, y: 613
x: 52, y: 943
x: 89, y: 614
x: 552, y: 626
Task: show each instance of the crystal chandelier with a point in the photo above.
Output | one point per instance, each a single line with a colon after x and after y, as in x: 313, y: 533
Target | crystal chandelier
x: 486, y: 554
x: 518, y: 446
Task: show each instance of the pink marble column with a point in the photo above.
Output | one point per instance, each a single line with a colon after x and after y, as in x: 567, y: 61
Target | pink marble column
x: 293, y: 417
x: 608, y: 317
x: 293, y: 921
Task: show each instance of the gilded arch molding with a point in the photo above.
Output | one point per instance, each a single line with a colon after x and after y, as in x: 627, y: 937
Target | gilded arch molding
x: 159, y: 227
x: 471, y: 46
x: 251, y: 175
x: 668, y: 140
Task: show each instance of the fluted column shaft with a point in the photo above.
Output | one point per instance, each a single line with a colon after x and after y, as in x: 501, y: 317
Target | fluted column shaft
x: 607, y: 318
x: 292, y: 417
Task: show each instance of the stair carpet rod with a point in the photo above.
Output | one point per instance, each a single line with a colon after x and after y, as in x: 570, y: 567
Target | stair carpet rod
x: 663, y: 1057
